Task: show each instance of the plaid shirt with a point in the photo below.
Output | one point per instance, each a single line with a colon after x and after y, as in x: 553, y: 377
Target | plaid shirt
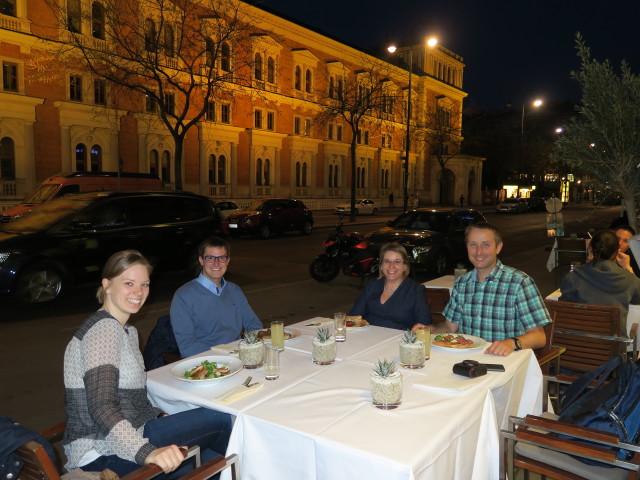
x: 505, y: 305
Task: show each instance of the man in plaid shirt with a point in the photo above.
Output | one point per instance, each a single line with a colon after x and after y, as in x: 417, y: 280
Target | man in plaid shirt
x: 498, y: 303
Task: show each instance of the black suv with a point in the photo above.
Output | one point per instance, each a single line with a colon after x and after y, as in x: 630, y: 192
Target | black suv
x: 274, y: 215
x: 68, y: 240
x: 434, y: 238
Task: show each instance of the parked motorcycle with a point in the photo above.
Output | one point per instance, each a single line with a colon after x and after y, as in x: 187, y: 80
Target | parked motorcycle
x: 348, y: 252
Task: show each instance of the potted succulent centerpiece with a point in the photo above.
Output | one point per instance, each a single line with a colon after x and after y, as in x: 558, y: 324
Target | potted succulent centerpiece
x: 251, y: 350
x: 386, y: 385
x: 411, y: 351
x: 324, y: 347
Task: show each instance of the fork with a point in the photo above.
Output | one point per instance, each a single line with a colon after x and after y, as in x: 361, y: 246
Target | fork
x: 247, y: 382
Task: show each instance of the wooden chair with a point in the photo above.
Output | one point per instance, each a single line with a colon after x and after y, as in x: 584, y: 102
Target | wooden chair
x: 549, y: 360
x: 533, y: 444
x: 38, y: 465
x: 212, y: 467
x: 437, y: 299
x: 570, y: 250
x: 591, y: 334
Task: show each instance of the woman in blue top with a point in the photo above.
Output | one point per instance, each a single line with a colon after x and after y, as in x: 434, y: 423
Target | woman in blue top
x: 393, y: 300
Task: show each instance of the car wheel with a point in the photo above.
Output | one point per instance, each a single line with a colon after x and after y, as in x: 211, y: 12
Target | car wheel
x: 439, y: 264
x: 39, y: 285
x: 375, y: 211
x: 264, y: 232
x: 307, y: 228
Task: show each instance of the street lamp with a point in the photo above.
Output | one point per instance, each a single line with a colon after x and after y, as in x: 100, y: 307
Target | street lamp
x: 536, y: 103
x: 432, y: 42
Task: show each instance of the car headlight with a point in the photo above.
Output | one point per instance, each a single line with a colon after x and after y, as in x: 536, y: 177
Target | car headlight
x: 417, y: 251
x: 4, y: 256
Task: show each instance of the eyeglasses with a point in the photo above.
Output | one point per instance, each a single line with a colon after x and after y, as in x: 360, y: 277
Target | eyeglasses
x: 395, y: 263
x: 213, y: 258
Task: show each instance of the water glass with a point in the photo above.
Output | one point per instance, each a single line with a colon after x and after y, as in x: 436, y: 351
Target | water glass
x: 271, y: 362
x: 424, y: 334
x: 277, y: 334
x: 340, y: 324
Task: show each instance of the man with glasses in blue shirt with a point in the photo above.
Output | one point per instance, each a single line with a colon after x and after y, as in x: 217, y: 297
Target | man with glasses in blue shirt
x: 209, y: 310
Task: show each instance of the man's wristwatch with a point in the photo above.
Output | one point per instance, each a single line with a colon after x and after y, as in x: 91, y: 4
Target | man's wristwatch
x: 518, y: 343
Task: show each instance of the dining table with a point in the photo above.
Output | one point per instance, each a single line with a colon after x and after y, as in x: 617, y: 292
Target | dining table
x: 318, y: 422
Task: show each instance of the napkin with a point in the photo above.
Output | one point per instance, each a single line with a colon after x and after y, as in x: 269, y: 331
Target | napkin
x: 450, y: 383
x: 237, y: 393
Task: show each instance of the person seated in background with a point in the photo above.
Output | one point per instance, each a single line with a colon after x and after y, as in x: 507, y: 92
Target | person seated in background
x: 209, y: 310
x: 625, y: 256
x: 110, y: 421
x: 493, y: 301
x: 393, y: 300
x: 601, y: 281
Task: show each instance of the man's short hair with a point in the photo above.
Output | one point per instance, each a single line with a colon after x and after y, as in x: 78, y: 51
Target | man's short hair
x: 483, y: 226
x: 626, y: 228
x: 604, y: 245
x: 214, y: 241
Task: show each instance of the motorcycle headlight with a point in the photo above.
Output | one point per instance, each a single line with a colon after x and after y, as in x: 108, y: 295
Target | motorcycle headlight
x: 417, y: 251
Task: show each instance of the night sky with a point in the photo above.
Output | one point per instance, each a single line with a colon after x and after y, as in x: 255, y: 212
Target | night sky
x: 512, y: 49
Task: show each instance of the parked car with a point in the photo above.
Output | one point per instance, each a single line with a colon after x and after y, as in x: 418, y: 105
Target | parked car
x: 273, y: 215
x: 81, y: 182
x: 434, y: 238
x: 66, y: 242
x: 513, y: 205
x: 364, y: 206
x: 225, y: 209
x: 535, y: 204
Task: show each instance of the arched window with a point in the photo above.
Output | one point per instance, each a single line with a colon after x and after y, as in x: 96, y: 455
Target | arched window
x: 212, y: 169
x: 225, y: 57
x: 222, y: 170
x: 304, y: 174
x: 267, y: 172
x: 96, y: 158
x: 307, y: 81
x: 165, y: 175
x: 257, y: 67
x: 259, y: 172
x: 153, y: 162
x: 271, y: 70
x: 81, y: 157
x: 169, y: 41
x: 297, y: 174
x: 7, y: 159
x: 330, y: 176
x: 339, y: 88
x: 97, y: 20
x: 150, y: 35
x: 298, y: 79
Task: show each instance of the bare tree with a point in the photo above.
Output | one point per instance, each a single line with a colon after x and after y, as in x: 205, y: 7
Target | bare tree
x: 173, y: 56
x: 441, y: 132
x: 359, y: 98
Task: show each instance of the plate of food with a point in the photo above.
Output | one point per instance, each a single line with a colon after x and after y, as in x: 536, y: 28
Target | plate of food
x: 355, y: 322
x: 206, y: 370
x: 456, y: 342
x: 289, y: 334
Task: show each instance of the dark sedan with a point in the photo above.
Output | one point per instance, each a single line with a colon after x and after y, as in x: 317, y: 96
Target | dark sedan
x: 434, y: 238
x: 67, y: 241
x: 274, y: 215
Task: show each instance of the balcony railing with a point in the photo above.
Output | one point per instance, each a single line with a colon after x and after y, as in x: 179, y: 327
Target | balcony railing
x: 14, y: 189
x: 302, y: 191
x: 219, y: 191
x: 265, y: 191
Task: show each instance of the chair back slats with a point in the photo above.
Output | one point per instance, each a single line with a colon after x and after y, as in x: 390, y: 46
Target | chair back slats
x: 584, y: 353
x: 437, y: 299
x: 37, y: 464
x: 571, y: 251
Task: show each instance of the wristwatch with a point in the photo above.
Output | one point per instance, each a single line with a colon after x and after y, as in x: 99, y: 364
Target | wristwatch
x: 518, y: 343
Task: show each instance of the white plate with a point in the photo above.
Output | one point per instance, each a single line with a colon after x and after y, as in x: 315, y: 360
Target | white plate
x: 291, y: 331
x: 479, y: 344
x: 234, y: 364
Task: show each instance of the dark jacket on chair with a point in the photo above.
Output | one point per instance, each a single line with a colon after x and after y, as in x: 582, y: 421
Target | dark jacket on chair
x: 12, y: 436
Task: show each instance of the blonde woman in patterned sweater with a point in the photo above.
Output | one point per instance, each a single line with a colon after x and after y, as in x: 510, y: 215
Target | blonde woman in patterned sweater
x: 110, y: 421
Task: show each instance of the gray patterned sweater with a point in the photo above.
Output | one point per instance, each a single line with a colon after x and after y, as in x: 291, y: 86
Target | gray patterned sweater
x: 105, y: 392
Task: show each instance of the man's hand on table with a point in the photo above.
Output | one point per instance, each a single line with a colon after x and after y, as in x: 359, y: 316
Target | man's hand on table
x: 501, y: 347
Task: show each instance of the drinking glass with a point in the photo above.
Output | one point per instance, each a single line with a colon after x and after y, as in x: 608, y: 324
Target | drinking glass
x: 339, y: 320
x: 277, y: 334
x: 424, y: 334
x: 271, y: 362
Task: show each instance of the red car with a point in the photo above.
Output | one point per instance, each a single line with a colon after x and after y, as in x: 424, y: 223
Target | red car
x: 273, y: 215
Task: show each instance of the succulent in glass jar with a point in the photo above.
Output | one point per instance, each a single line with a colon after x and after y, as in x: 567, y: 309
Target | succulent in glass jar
x: 409, y: 337
x: 384, y: 368
x: 323, y: 335
x: 411, y: 351
x: 386, y: 385
x: 324, y: 347
x: 251, y: 350
x: 252, y: 337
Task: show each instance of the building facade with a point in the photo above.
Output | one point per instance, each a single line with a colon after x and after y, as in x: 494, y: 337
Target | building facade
x: 262, y: 138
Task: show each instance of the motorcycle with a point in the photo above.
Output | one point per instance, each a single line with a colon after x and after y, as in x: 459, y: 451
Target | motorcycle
x: 348, y: 252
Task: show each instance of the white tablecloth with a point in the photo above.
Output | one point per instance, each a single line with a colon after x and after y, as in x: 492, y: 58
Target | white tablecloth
x: 445, y: 281
x: 317, y: 422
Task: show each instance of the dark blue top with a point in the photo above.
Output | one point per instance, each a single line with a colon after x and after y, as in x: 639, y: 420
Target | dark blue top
x: 406, y: 307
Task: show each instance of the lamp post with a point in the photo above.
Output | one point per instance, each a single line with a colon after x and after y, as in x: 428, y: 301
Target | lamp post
x: 405, y: 177
x: 535, y: 103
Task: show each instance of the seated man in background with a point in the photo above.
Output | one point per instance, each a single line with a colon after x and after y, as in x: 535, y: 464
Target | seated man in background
x: 493, y: 301
x: 601, y: 281
x: 625, y: 256
x: 208, y: 310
